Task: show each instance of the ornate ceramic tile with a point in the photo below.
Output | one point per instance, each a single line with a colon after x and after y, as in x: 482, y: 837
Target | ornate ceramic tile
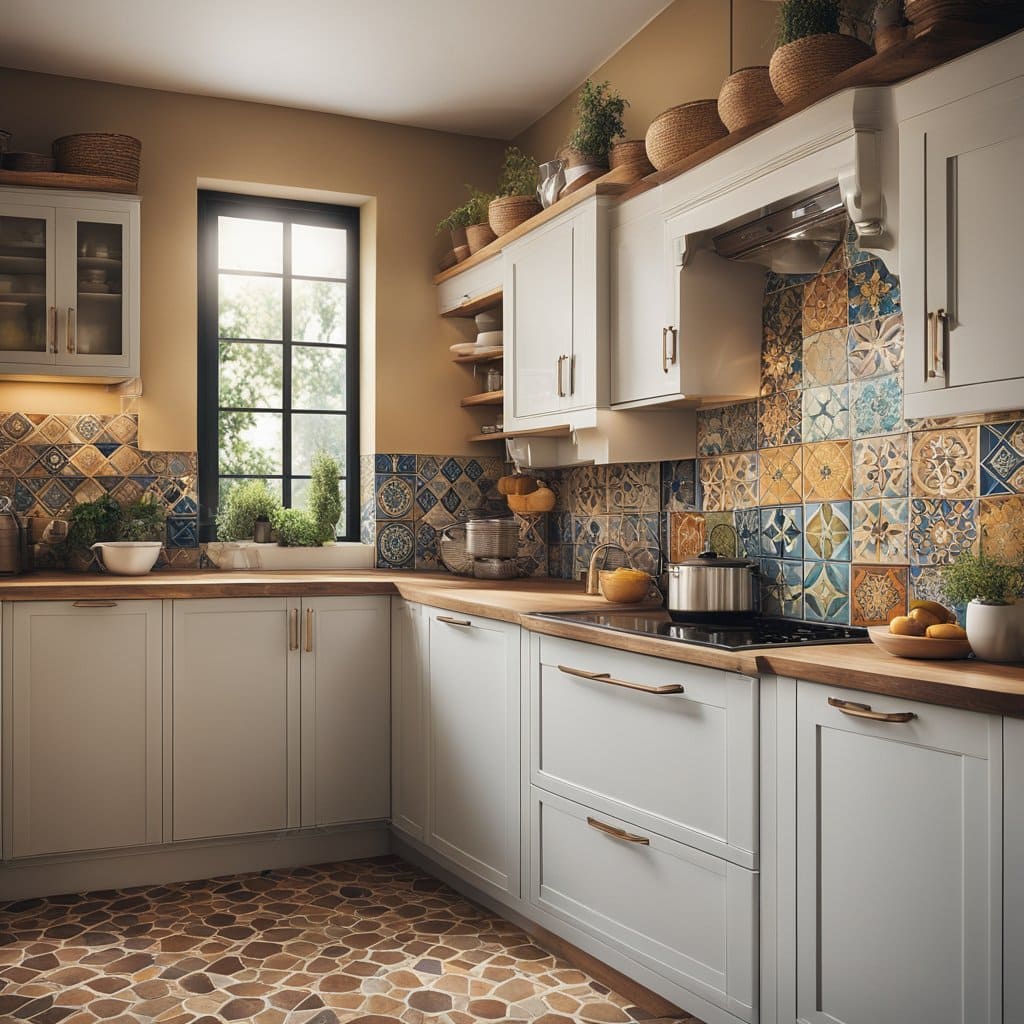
x: 876, y: 405
x: 686, y: 535
x: 741, y: 480
x: 943, y: 463
x: 712, y: 484
x: 634, y: 487
x: 783, y: 308
x: 560, y: 561
x: 731, y: 428
x: 782, y: 531
x: 926, y: 585
x: 941, y: 529
x: 825, y: 358
x: 588, y: 493
x: 827, y: 531
x: 828, y: 471
x: 782, y: 588
x: 826, y: 413
x: 873, y: 292
x: 560, y: 527
x: 781, y: 475
x: 880, y: 531
x: 780, y: 419
x: 591, y: 530
x: 836, y: 260
x: 396, y: 497
x: 721, y: 531
x: 877, y: 594
x: 827, y: 591
x: 533, y: 545
x: 876, y: 347
x: 825, y: 303
x: 747, y: 522
x: 881, y: 466
x: 396, y: 546
x: 1001, y: 527
x: 781, y: 360
x: 1002, y: 458
x: 679, y: 485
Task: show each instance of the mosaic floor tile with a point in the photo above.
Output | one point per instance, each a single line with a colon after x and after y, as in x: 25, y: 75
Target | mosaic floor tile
x: 731, y: 428
x: 780, y: 419
x: 828, y: 471
x: 678, y: 485
x: 781, y: 475
x: 876, y: 347
x: 825, y: 358
x: 873, y: 292
x: 880, y: 531
x: 748, y: 532
x: 877, y: 594
x: 881, y: 466
x: 827, y: 591
x: 782, y: 588
x: 876, y: 405
x: 827, y: 531
x: 941, y: 529
x: 826, y: 413
x: 781, y: 360
x: 1001, y: 527
x: 943, y: 463
x: 634, y: 487
x: 741, y: 480
x: 782, y: 531
x: 825, y: 303
x: 1001, y: 458
x: 686, y: 535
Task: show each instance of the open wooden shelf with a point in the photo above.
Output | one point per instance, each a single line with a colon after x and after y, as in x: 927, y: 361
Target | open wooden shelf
x: 482, y: 303
x: 484, y: 398
x: 493, y: 357
x: 562, y: 431
x: 57, y: 179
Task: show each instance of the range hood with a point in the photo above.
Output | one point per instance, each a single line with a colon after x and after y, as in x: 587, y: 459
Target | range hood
x: 790, y: 237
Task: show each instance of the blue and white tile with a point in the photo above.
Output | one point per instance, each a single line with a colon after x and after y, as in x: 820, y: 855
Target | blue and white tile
x: 679, y: 485
x: 782, y: 531
x: 827, y: 531
x: 873, y: 292
x: 827, y: 591
x: 941, y: 529
x: 634, y: 487
x: 826, y: 413
x: 877, y: 405
x: 876, y: 347
x: 1002, y: 458
x: 396, y: 546
x: 748, y: 532
x: 782, y: 588
x: 926, y: 585
x: 396, y: 496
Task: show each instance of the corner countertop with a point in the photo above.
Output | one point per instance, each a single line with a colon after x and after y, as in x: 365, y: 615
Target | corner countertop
x: 972, y: 685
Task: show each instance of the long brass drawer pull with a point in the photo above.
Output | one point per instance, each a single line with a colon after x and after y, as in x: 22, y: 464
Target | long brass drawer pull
x: 849, y: 707
x: 309, y: 630
x: 618, y: 833
x: 454, y: 622
x: 95, y: 604
x: 293, y: 630
x: 605, y: 677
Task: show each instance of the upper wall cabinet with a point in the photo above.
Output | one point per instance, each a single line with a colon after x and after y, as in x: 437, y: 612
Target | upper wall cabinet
x: 69, y: 285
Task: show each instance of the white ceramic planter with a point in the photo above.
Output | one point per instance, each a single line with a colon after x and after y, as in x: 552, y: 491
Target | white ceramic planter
x: 996, y: 631
x: 246, y: 554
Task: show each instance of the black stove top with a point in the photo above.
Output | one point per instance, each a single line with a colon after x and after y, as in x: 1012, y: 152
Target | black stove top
x: 726, y: 632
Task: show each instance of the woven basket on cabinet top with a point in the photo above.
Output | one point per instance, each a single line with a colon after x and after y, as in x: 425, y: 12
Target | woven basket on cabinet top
x: 747, y: 97
x: 29, y: 162
x: 804, y: 65
x: 479, y: 235
x: 681, y: 131
x: 508, y: 212
x: 631, y: 156
x: 923, y: 14
x: 100, y: 153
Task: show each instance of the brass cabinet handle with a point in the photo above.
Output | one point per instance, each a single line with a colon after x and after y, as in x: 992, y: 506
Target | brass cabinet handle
x: 852, y: 708
x: 51, y: 331
x: 293, y: 630
x: 571, y: 360
x: 605, y: 677
x: 664, y: 350
x: 72, y: 330
x: 95, y: 604
x: 309, y: 630
x: 559, y: 391
x: 618, y: 833
x: 934, y: 352
x: 674, y: 335
x: 454, y: 622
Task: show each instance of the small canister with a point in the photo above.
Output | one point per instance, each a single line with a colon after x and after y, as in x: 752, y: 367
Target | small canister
x: 11, y: 540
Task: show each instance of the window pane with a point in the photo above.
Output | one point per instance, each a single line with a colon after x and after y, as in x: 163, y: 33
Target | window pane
x: 310, y: 433
x: 251, y: 375
x: 249, y: 307
x: 227, y: 483
x: 318, y: 311
x: 249, y: 244
x: 318, y: 252
x: 318, y: 378
x: 250, y: 443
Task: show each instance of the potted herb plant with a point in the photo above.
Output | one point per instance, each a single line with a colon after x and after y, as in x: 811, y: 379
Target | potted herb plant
x: 245, y: 503
x: 296, y: 528
x: 599, y: 113
x: 517, y: 193
x: 478, y: 232
x: 455, y: 224
x: 811, y: 48
x: 325, y: 496
x: 991, y: 589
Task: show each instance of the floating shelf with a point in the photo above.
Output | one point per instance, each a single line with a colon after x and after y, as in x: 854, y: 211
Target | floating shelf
x: 485, y: 398
x: 482, y: 303
x: 493, y: 357
x: 57, y: 179
x: 562, y: 431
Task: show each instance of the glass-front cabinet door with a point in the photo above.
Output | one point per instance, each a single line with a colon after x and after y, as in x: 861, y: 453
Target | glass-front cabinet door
x: 27, y: 285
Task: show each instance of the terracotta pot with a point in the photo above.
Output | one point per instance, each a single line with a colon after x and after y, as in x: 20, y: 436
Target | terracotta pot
x: 807, y: 64
x: 458, y: 238
x: 461, y: 252
x: 479, y: 235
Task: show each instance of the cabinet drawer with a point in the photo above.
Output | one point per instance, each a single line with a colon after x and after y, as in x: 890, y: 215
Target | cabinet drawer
x: 686, y: 915
x: 681, y: 764
x: 470, y: 284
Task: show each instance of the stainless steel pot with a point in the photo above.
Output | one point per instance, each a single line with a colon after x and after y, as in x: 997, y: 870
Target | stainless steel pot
x: 711, y: 583
x: 492, y: 538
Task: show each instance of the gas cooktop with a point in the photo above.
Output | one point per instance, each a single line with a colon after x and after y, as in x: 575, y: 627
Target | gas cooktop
x: 726, y: 632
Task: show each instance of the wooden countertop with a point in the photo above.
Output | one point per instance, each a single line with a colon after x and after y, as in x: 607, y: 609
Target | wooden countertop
x: 973, y: 685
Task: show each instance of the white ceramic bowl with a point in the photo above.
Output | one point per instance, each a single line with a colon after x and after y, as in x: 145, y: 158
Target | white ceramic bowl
x: 129, y: 557
x: 490, y: 338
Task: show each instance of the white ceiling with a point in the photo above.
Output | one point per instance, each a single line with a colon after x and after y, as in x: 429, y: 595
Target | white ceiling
x: 481, y: 67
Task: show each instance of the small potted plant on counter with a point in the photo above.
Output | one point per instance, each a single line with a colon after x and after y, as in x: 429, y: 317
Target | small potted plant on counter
x: 991, y: 589
x: 517, y: 193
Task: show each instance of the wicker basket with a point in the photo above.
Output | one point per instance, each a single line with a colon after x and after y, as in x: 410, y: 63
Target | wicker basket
x: 807, y: 64
x: 479, y: 235
x: 508, y: 212
x: 924, y: 14
x: 631, y: 155
x: 680, y: 131
x: 458, y: 237
x: 448, y: 260
x: 113, y: 156
x: 461, y: 252
x: 29, y: 162
x: 747, y: 97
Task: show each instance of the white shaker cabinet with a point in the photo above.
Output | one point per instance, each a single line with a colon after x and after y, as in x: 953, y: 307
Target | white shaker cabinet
x: 890, y: 860
x: 408, y: 718
x: 82, y: 726
x: 1013, y: 877
x: 474, y: 745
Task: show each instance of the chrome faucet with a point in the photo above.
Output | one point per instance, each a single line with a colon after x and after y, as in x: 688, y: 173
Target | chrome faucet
x: 593, y: 586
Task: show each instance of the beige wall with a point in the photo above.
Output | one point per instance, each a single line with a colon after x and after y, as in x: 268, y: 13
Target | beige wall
x: 413, y: 177
x: 682, y: 55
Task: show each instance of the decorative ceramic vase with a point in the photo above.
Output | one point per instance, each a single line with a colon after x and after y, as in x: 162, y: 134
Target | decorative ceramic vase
x: 996, y: 631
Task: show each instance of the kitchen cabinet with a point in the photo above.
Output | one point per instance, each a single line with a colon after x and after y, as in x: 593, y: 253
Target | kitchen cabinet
x: 82, y: 726
x: 890, y: 860
x: 474, y: 748
x: 462, y: 290
x: 1013, y: 877
x: 408, y: 719
x: 69, y: 281
x: 959, y: 181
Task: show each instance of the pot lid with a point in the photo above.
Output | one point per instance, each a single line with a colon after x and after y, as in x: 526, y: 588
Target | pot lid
x: 713, y: 560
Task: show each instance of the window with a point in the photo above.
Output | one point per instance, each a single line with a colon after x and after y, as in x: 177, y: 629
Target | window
x: 278, y: 348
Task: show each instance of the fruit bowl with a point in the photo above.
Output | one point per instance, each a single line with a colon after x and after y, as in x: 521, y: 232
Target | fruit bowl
x: 922, y: 647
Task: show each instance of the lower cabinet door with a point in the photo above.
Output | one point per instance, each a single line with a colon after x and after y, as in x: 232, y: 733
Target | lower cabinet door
x: 83, y: 714
x: 684, y: 914
x: 408, y: 719
x: 235, y: 717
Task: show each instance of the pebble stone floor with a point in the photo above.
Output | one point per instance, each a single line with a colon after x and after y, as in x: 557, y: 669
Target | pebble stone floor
x: 366, y: 941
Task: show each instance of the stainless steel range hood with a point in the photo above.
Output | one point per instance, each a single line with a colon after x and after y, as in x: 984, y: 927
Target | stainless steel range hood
x: 791, y: 237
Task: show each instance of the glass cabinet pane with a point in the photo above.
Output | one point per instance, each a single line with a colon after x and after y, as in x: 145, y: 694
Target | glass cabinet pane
x: 99, y: 320
x: 22, y: 284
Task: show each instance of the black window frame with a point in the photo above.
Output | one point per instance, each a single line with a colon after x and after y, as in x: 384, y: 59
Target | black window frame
x: 211, y: 206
